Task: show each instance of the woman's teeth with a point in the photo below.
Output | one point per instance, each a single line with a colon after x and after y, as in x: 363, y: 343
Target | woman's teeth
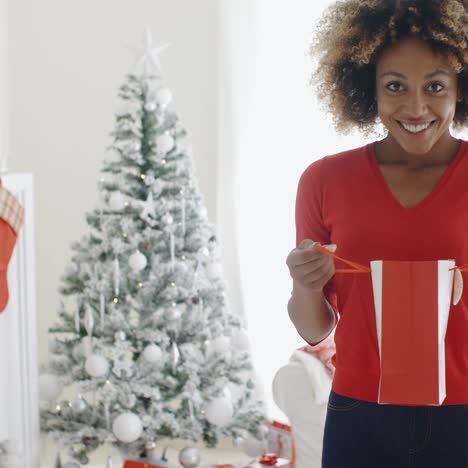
x: 415, y: 128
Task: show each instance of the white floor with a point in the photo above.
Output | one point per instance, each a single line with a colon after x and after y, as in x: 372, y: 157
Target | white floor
x: 225, y: 453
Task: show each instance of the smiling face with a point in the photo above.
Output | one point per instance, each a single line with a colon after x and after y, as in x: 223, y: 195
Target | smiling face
x: 415, y: 88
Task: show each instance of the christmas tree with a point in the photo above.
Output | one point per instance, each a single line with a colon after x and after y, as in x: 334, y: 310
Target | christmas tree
x: 144, y: 334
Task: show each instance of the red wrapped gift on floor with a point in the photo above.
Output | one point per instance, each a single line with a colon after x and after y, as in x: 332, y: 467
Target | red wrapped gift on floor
x: 412, y: 303
x: 280, y: 441
x: 137, y: 464
x: 270, y: 459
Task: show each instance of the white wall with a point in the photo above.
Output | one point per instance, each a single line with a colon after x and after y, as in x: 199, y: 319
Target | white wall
x: 67, y: 60
x: 4, y: 105
x: 272, y: 130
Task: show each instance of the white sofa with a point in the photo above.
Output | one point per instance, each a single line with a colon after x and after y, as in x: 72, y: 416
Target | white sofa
x: 301, y: 389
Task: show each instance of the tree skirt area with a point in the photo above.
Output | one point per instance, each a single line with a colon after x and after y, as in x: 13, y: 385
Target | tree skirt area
x: 225, y: 453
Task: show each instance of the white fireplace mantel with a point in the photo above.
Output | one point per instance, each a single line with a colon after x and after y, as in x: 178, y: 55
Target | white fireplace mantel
x: 19, y: 408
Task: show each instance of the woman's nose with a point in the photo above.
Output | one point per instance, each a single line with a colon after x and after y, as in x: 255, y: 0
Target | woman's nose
x: 416, y: 105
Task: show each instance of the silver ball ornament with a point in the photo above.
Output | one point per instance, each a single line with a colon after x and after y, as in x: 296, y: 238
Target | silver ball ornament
x: 79, y: 405
x: 167, y: 219
x: 97, y: 365
x: 71, y: 465
x: 150, y: 106
x: 189, y: 457
x: 172, y: 313
x: 120, y: 336
x: 219, y: 411
x: 164, y: 96
x: 117, y: 201
x: 252, y: 446
x: 204, y: 251
x: 127, y: 427
x: 240, y: 340
x: 220, y: 345
x: 164, y: 143
x: 137, y: 261
x: 152, y: 353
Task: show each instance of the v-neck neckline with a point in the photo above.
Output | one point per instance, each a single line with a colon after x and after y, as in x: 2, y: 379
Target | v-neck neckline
x: 448, y: 171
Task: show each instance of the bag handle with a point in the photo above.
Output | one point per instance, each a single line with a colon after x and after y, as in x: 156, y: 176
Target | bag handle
x: 362, y: 268
x: 358, y: 267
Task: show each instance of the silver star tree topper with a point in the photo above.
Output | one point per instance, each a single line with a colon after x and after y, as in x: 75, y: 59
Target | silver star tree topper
x: 148, y: 54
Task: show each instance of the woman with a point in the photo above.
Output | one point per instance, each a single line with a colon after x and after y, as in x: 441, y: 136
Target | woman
x: 404, y: 197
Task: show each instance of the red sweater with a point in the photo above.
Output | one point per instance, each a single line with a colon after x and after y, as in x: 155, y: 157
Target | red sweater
x: 343, y: 199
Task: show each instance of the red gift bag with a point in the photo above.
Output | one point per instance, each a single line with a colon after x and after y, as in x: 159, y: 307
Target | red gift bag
x: 412, y: 303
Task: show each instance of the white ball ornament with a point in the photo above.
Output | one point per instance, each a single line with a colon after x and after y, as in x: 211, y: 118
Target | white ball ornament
x: 50, y: 387
x: 164, y: 143
x: 79, y: 405
x: 137, y: 261
x: 117, y: 201
x: 127, y: 427
x: 120, y: 335
x: 214, y: 270
x: 172, y: 313
x: 204, y: 251
x: 220, y: 344
x: 240, y: 340
x: 150, y: 106
x: 220, y: 411
x: 182, y: 266
x: 167, y: 219
x: 252, y: 446
x: 97, y: 365
x: 189, y: 457
x: 152, y: 353
x: 164, y: 96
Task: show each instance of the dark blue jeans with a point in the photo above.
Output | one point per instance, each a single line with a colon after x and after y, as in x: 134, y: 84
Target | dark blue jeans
x: 361, y: 434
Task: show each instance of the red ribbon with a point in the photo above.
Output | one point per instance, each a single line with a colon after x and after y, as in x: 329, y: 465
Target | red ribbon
x: 280, y: 425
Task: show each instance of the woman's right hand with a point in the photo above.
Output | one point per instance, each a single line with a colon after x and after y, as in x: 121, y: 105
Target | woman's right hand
x: 309, y: 268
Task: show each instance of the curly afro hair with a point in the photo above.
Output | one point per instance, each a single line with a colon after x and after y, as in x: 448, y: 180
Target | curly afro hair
x: 350, y: 36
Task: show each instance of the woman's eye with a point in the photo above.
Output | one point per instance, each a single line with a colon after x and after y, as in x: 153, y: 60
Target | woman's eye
x: 393, y: 83
x: 436, y: 84
x: 395, y: 86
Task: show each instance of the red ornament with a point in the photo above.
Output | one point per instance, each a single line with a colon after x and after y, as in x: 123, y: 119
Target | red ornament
x: 268, y: 459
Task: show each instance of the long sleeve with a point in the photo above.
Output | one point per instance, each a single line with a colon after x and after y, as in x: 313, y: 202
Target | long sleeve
x: 309, y: 223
